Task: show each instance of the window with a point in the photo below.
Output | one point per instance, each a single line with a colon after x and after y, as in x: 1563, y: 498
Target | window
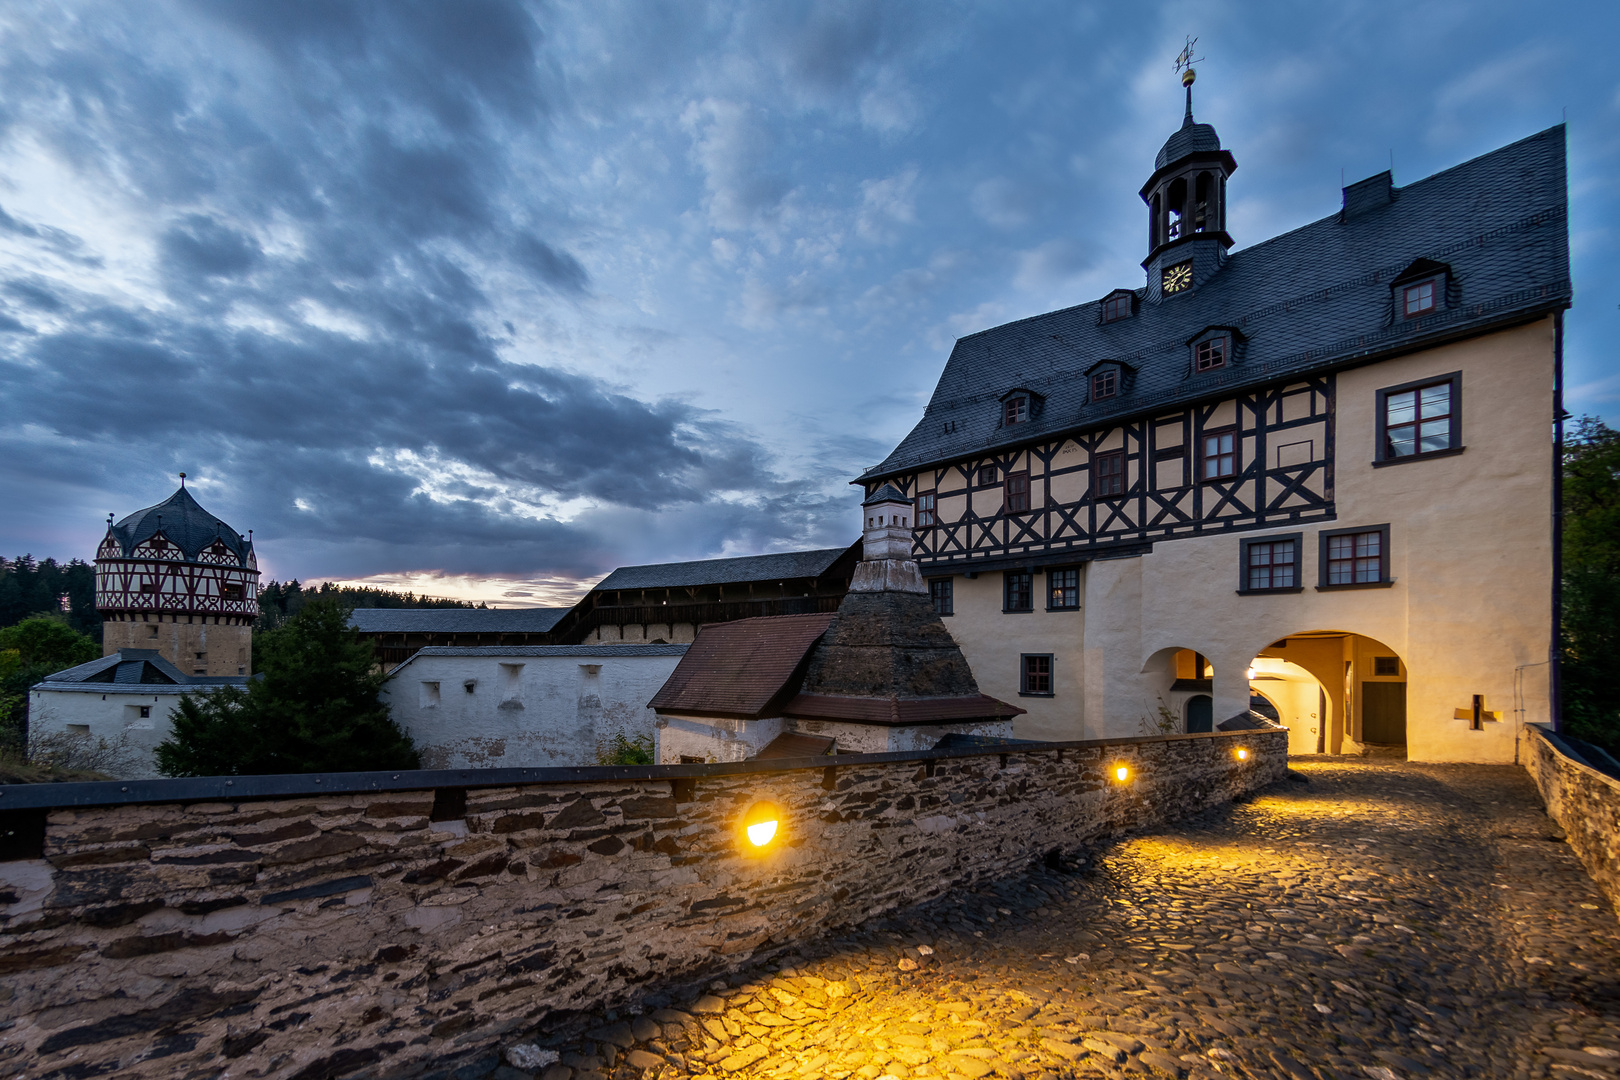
x: 1419, y: 419
x: 1016, y: 410
x: 925, y: 509
x: 1104, y: 384
x: 1386, y: 666
x: 1270, y: 564
x: 943, y: 594
x: 1063, y: 590
x: 230, y: 592
x: 987, y: 475
x: 1108, y: 474
x: 148, y: 588
x: 1210, y: 353
x: 1117, y: 307
x: 1418, y: 299
x: 1017, y: 584
x: 1219, y: 454
x: 1352, y: 557
x: 1036, y: 675
x: 1017, y: 500
x: 146, y: 710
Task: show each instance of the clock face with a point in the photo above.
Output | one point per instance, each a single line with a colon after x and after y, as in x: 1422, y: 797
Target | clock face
x: 1177, y: 277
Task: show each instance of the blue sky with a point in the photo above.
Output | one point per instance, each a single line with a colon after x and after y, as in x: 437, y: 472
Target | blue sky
x: 488, y: 298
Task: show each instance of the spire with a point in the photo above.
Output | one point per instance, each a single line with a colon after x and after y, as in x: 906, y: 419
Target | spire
x: 1184, y: 65
x: 1189, y: 113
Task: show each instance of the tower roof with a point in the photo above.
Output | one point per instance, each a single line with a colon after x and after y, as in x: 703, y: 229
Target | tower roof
x: 184, y: 523
x: 1190, y: 138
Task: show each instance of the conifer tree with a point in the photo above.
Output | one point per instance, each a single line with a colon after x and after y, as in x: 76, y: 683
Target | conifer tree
x: 313, y: 706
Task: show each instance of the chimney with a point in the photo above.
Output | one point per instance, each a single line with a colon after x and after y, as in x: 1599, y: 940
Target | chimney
x: 1368, y: 194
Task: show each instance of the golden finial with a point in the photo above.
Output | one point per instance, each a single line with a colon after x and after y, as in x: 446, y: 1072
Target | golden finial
x: 182, y: 479
x: 1184, y: 64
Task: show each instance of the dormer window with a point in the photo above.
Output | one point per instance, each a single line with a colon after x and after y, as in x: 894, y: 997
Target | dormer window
x: 1418, y: 299
x: 1211, y: 353
x: 1015, y: 410
x: 1104, y: 384
x: 1117, y: 306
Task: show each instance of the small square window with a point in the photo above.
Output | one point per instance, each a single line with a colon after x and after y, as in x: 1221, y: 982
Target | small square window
x: 1418, y: 299
x: 1210, y: 354
x: 1016, y: 410
x: 1063, y: 590
x: 1386, y: 666
x: 146, y: 712
x: 1108, y: 474
x: 148, y: 588
x: 1116, y: 308
x: 1272, y: 564
x: 1218, y: 454
x: 1355, y: 557
x: 988, y: 475
x: 230, y: 592
x: 925, y: 509
x: 1017, y: 500
x: 1104, y: 384
x: 942, y: 593
x: 1036, y: 674
x: 1018, y: 590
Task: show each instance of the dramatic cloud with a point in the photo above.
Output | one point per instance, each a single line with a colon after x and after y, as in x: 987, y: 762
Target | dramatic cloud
x: 519, y: 291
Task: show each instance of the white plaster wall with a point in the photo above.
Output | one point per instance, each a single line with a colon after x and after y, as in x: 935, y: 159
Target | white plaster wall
x: 1470, y: 554
x: 112, y: 716
x: 552, y: 712
x: 713, y: 739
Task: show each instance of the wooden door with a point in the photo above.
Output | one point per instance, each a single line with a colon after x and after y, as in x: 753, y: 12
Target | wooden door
x: 1383, y: 712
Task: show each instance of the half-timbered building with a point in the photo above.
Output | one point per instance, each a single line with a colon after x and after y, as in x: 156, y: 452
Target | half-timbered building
x: 1247, y: 482
x: 177, y: 579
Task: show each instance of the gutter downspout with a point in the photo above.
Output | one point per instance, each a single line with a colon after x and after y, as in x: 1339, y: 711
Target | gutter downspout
x: 1554, y: 669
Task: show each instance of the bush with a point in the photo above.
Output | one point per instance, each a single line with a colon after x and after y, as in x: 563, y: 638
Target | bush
x: 38, y: 646
x: 312, y: 707
x: 622, y: 751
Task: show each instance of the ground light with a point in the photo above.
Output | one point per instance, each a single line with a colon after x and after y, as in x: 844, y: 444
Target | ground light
x: 761, y: 823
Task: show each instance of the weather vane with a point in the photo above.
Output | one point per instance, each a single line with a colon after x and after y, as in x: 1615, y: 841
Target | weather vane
x: 1185, y: 60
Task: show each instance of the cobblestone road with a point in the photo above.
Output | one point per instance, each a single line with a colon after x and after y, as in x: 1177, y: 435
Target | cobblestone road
x: 1364, y: 919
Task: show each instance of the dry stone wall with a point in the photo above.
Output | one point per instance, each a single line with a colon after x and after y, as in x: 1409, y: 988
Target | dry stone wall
x: 371, y: 933
x: 1584, y: 802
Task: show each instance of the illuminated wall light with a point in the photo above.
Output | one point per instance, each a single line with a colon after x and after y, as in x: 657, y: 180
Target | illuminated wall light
x: 1122, y: 773
x: 761, y: 823
x: 1243, y: 755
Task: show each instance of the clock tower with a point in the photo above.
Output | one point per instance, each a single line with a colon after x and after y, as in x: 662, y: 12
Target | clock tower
x: 1186, y: 199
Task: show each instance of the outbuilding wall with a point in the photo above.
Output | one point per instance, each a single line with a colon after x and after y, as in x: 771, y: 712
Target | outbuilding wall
x: 288, y: 935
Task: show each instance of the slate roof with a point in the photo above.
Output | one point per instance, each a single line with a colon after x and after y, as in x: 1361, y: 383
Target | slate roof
x: 132, y: 671
x: 742, y: 668
x: 778, y: 567
x: 1190, y: 138
x: 606, y: 650
x: 1310, y: 300
x: 184, y: 523
x: 793, y: 744
x: 456, y: 620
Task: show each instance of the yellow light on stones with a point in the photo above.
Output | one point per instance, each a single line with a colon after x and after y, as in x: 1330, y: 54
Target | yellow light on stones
x: 760, y: 823
x: 1122, y: 773
x: 1243, y: 755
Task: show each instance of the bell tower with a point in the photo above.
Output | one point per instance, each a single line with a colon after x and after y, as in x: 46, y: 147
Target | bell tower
x: 1186, y: 200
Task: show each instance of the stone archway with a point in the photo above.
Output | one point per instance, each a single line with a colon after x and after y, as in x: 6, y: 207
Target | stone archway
x: 1336, y: 691
x: 1180, y: 678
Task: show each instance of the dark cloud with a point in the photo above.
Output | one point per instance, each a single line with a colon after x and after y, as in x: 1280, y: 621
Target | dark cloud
x: 556, y: 268
x: 200, y: 245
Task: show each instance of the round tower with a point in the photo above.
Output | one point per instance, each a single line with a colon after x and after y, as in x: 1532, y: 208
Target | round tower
x: 175, y: 578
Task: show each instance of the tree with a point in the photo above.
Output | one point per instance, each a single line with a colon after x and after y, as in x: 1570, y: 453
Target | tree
x: 313, y: 707
x: 38, y: 646
x: 1590, y: 634
x: 29, y: 588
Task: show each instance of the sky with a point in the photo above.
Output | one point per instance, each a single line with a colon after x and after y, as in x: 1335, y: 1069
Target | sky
x: 486, y: 298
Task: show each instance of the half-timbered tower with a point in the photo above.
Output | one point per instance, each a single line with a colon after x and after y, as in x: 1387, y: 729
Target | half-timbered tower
x: 1311, y: 476
x: 175, y: 578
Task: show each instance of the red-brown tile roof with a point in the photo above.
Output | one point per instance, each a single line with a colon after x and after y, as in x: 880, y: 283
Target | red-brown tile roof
x: 741, y: 669
x: 899, y: 711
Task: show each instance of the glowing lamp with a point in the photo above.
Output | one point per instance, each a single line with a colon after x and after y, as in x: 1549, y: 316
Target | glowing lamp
x: 1243, y: 755
x: 1122, y: 773
x: 760, y: 823
x: 1250, y: 674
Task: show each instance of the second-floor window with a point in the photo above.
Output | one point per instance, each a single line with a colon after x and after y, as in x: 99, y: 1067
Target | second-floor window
x: 1019, y: 592
x: 230, y: 592
x: 1016, y: 409
x: 1419, y: 418
x: 1036, y: 674
x: 925, y: 509
x: 1108, y: 474
x: 1104, y: 384
x: 987, y: 475
x: 940, y: 591
x: 1063, y: 590
x: 1017, y: 492
x: 1218, y: 455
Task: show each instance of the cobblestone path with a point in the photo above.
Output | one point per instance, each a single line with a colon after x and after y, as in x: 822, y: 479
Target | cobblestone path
x: 1364, y: 919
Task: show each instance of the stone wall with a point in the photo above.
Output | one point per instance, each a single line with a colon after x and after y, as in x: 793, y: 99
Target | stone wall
x: 1584, y: 802
x: 370, y: 931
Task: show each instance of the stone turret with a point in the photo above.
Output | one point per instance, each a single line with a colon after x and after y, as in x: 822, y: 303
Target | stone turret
x: 886, y: 564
